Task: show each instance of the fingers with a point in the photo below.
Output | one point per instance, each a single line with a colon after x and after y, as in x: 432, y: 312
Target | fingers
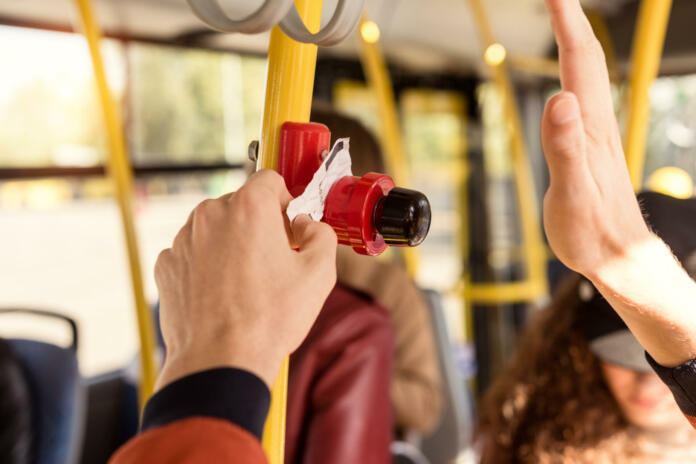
x: 267, y: 179
x: 317, y: 243
x: 563, y: 138
x: 163, y: 266
x: 571, y: 27
x: 583, y: 65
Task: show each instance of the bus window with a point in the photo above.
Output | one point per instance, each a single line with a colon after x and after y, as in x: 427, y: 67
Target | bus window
x: 434, y: 128
x: 214, y: 96
x: 61, y: 243
x: 672, y: 133
x: 48, y: 99
x: 355, y: 99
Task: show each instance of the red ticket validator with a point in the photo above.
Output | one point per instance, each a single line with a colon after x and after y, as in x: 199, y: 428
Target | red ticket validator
x: 367, y: 213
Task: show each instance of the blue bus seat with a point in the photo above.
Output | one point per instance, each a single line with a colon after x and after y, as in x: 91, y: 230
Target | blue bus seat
x: 56, y: 391
x: 112, y: 413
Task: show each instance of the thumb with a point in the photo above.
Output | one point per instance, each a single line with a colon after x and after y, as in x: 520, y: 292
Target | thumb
x: 563, y: 137
x: 316, y: 241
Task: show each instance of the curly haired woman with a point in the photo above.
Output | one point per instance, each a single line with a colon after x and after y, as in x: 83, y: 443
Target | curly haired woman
x: 579, y: 388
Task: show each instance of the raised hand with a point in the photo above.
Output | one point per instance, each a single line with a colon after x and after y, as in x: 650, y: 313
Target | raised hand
x: 591, y: 215
x: 590, y: 211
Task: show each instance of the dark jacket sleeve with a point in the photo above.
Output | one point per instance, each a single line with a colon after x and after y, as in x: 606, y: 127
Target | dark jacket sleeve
x: 211, y: 416
x: 682, y: 381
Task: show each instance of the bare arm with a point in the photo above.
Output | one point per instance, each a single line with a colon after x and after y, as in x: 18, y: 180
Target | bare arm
x: 591, y: 215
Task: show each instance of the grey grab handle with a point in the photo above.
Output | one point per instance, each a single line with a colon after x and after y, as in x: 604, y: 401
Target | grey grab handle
x: 261, y: 20
x: 284, y: 13
x: 339, y: 27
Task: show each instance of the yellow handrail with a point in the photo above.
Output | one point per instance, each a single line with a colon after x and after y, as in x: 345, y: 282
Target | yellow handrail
x: 289, y: 87
x: 535, y: 65
x: 535, y: 285
x: 648, y: 43
x: 122, y: 176
x: 391, y: 138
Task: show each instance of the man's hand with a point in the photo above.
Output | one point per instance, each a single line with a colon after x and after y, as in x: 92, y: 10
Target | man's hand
x: 233, y: 293
x: 591, y: 215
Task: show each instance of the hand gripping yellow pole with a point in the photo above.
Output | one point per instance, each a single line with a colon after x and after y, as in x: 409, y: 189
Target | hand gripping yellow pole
x: 379, y: 81
x: 535, y: 284
x: 121, y: 174
x: 648, y: 43
x: 289, y: 87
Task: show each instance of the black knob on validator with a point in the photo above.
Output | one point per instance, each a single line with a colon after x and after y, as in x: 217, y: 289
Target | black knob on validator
x: 402, y: 217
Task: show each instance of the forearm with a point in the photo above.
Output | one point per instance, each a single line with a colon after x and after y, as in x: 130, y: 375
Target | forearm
x: 656, y: 298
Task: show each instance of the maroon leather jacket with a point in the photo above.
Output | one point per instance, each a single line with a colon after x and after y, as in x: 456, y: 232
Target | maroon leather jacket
x: 339, y: 408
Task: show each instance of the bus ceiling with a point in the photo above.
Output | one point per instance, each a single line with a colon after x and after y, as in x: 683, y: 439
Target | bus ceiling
x: 438, y: 35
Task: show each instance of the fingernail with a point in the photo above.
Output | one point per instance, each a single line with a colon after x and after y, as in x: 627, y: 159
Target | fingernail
x: 302, y: 219
x: 564, y: 111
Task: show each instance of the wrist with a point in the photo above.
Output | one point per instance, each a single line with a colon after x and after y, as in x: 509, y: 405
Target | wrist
x: 656, y: 298
x: 637, y: 259
x: 181, y: 362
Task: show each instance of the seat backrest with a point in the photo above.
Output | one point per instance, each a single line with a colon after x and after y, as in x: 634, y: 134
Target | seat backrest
x: 453, y: 434
x: 112, y: 415
x: 57, y: 395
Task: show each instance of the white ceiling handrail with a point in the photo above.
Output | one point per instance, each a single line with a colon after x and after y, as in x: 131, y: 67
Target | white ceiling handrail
x: 340, y: 26
x: 261, y: 20
x: 283, y: 13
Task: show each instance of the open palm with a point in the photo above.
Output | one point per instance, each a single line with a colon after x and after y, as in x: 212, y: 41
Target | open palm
x: 591, y: 214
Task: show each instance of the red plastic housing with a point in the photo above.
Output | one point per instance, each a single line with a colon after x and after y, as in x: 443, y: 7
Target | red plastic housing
x: 349, y: 209
x: 351, y: 201
x: 300, y: 153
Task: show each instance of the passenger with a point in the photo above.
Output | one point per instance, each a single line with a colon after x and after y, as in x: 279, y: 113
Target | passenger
x: 225, y: 342
x: 594, y: 223
x: 416, y: 388
x: 579, y: 388
x: 341, y: 377
x: 338, y: 407
x: 15, y: 410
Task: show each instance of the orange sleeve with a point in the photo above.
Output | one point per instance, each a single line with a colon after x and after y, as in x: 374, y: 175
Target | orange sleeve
x: 198, y: 440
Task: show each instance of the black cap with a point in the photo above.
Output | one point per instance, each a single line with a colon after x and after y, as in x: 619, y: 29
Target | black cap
x: 403, y: 217
x: 606, y: 333
x: 674, y: 221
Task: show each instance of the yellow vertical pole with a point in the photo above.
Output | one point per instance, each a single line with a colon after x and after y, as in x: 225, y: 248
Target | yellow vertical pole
x: 532, y: 239
x: 379, y: 81
x: 648, y: 43
x: 121, y: 174
x: 289, y: 88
